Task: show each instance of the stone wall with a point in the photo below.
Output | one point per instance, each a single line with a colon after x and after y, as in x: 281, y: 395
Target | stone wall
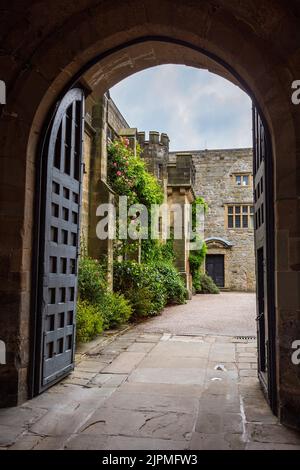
x: 215, y: 181
x: 85, y: 202
x: 114, y: 118
x: 103, y: 120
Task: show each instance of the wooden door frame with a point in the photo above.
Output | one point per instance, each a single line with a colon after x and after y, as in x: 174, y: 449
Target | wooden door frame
x: 270, y: 388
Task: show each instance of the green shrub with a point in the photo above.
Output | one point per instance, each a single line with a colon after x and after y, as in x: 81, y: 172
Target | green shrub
x: 197, y: 282
x: 176, y: 291
x: 129, y: 275
x: 116, y: 309
x: 89, y: 321
x: 141, y: 301
x: 203, y: 284
x: 149, y: 287
x: 91, y: 280
x: 154, y: 251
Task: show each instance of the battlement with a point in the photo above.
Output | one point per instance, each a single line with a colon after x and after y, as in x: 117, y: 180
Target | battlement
x: 181, y: 172
x: 154, y: 138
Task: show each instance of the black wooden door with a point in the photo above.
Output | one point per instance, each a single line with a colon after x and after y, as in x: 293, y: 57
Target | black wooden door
x: 215, y: 268
x: 59, y: 242
x: 264, y: 246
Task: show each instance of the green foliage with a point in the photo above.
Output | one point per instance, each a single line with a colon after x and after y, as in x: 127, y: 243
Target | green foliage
x: 197, y: 257
x: 116, y: 309
x: 91, y: 280
x: 156, y: 250
x: 203, y: 284
x: 97, y: 307
x: 131, y: 276
x: 149, y: 287
x: 199, y: 202
x: 141, y: 300
x: 176, y: 291
x: 89, y: 321
x: 128, y: 175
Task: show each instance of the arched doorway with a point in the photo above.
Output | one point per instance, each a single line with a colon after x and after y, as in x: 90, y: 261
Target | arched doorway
x: 210, y: 29
x: 55, y: 307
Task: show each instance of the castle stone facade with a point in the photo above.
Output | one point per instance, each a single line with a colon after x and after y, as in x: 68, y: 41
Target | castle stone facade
x: 224, y: 179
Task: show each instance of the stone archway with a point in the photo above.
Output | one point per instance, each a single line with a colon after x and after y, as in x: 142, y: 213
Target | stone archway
x: 258, y: 43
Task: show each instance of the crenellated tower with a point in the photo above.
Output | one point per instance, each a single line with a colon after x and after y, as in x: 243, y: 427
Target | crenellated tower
x: 155, y: 151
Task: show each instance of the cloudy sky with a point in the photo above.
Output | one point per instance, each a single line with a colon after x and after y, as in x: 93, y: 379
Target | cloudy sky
x: 195, y: 108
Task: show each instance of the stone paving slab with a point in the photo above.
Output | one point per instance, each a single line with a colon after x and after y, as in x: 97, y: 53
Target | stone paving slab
x: 179, y: 348
x: 173, y: 376
x: 268, y: 446
x: 91, y: 365
x: 109, y: 380
x: 140, y: 347
x: 131, y: 423
x: 144, y: 443
x: 155, y: 360
x: 9, y: 434
x: 269, y: 433
x: 125, y: 363
x: 149, y: 402
x: 20, y: 416
x: 86, y: 442
x: 170, y: 390
x: 204, y: 441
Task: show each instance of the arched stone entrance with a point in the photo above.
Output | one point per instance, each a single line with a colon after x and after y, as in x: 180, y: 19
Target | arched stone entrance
x: 260, y: 46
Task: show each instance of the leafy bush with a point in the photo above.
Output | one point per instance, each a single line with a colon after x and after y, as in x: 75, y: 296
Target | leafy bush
x: 91, y: 280
x: 155, y: 250
x: 89, y: 321
x: 176, y: 291
x: 141, y: 301
x: 203, y: 284
x: 149, y: 287
x: 129, y: 275
x: 97, y: 307
x: 116, y: 309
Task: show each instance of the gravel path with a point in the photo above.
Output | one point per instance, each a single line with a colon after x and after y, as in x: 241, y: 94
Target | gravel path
x: 230, y: 314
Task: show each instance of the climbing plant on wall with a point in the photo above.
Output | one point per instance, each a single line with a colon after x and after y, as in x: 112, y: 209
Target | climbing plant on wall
x: 128, y: 175
x: 197, y: 257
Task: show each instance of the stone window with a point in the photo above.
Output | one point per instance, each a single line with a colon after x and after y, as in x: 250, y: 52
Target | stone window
x: 240, y: 216
x: 243, y: 180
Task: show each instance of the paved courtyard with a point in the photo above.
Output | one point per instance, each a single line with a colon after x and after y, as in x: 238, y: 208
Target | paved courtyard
x: 168, y: 390
x: 231, y: 314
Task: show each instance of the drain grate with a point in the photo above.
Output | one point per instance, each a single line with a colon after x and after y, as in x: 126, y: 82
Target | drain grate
x: 251, y: 338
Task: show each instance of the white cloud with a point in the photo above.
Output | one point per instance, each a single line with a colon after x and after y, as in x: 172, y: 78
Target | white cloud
x: 196, y: 108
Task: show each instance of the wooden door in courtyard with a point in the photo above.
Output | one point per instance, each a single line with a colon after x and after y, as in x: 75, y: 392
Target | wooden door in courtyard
x: 265, y: 253
x: 215, y: 269
x: 58, y: 246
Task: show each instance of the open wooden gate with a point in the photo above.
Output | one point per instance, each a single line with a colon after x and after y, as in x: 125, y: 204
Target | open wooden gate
x: 58, y: 243
x: 265, y: 255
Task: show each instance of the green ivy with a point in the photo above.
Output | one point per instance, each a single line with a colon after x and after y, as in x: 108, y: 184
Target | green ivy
x: 197, y: 257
